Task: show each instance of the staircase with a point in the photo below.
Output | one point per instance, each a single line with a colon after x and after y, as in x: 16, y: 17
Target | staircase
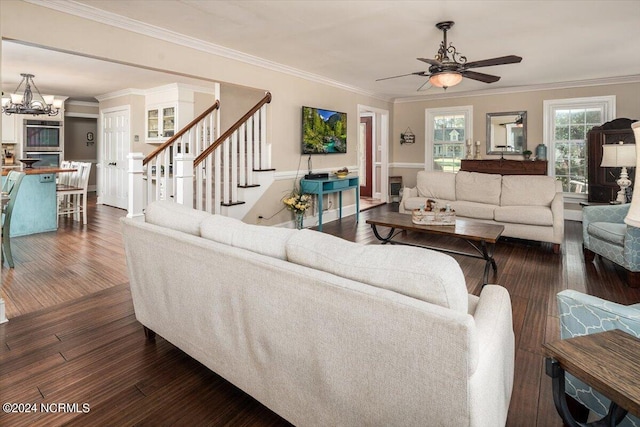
x: 199, y: 168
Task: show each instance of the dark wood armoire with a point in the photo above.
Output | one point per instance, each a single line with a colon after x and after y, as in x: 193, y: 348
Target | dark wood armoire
x: 602, y: 181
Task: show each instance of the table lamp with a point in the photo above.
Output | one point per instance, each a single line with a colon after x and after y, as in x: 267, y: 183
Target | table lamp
x: 620, y: 155
x: 633, y: 216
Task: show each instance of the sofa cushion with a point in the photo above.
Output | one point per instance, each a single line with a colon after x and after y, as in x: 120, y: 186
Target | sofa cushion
x: 473, y: 209
x: 175, y: 216
x: 419, y: 273
x: 529, y: 215
x: 478, y: 187
x: 527, y: 190
x: 611, y: 232
x: 436, y: 185
x: 261, y: 239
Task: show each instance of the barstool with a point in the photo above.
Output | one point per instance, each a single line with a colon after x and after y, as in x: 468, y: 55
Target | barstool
x: 72, y: 191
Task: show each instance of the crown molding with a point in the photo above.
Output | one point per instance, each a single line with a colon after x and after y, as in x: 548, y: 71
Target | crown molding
x: 81, y: 115
x: 119, y: 93
x: 89, y: 12
x: 528, y: 88
x: 82, y: 103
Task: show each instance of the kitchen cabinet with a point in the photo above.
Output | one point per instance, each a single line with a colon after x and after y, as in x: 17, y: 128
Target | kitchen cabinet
x: 161, y: 122
x: 9, y: 134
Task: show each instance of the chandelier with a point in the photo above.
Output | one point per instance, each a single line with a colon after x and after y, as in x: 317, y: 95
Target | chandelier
x: 27, y: 103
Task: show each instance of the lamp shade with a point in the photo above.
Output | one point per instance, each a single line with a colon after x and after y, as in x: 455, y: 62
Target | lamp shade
x: 445, y: 79
x: 16, y: 98
x: 618, y: 155
x: 633, y: 216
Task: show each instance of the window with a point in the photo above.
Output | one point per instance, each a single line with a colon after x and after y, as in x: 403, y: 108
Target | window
x: 447, y: 129
x: 566, y: 124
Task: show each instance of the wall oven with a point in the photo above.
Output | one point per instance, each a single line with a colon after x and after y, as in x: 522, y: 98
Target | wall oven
x: 47, y: 158
x: 43, y: 140
x: 42, y: 135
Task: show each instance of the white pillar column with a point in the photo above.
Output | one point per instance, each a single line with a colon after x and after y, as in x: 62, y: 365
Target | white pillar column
x: 184, y: 179
x: 137, y: 202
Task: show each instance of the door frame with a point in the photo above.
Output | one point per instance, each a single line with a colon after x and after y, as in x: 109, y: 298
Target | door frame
x: 369, y: 122
x: 95, y: 116
x: 380, y: 138
x: 100, y: 180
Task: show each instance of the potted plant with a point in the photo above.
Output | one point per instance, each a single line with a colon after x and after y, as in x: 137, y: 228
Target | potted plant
x: 297, y: 203
x: 527, y: 154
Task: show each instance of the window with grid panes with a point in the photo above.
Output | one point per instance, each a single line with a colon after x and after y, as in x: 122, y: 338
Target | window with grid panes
x: 447, y: 131
x: 570, y: 121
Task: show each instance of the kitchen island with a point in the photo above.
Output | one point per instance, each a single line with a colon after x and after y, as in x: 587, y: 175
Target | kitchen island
x: 35, y: 210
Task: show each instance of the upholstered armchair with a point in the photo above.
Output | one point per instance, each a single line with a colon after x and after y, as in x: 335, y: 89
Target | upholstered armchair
x: 605, y: 233
x: 582, y: 314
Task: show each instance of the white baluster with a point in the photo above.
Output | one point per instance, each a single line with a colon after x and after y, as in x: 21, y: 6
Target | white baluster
x: 234, y: 167
x: 226, y: 195
x: 216, y: 181
x: 242, y: 141
x: 256, y: 142
x: 249, y: 152
x: 264, y: 157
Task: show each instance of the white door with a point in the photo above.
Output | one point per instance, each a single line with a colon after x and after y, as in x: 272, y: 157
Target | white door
x: 113, y: 162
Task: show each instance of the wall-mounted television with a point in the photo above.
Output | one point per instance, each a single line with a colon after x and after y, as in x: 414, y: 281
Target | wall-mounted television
x: 323, y: 131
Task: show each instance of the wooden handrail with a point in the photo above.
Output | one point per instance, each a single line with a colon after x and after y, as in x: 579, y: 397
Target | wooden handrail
x: 210, y: 149
x: 181, y: 132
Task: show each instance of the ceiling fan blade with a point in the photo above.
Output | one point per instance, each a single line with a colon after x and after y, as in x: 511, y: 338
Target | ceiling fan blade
x: 430, y: 61
x: 509, y: 59
x: 423, y: 85
x: 417, y: 73
x: 481, y: 77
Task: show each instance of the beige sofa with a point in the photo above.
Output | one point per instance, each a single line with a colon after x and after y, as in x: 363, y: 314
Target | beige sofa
x: 529, y: 206
x: 323, y: 331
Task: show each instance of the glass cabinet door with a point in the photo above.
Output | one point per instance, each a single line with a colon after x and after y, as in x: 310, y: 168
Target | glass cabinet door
x: 168, y: 121
x: 152, y: 124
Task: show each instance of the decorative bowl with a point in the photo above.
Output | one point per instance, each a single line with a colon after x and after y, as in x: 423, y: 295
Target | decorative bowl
x: 28, y: 163
x: 341, y: 174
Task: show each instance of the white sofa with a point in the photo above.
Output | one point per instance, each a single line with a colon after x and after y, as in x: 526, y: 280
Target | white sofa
x: 529, y: 206
x: 321, y: 330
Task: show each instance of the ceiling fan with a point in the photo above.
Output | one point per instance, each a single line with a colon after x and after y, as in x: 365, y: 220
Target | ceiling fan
x: 445, y: 71
x: 518, y: 121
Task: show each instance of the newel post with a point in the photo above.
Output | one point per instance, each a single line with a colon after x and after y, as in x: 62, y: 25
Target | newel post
x: 136, y: 186
x: 184, y: 179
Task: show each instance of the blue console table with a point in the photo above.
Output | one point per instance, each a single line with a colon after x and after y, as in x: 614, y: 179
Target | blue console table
x: 320, y: 187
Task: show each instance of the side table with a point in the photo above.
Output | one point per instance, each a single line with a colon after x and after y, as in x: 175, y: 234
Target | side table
x: 320, y: 187
x: 607, y: 361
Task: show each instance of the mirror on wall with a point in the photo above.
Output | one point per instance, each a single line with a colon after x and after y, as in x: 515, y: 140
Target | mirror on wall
x: 507, y: 133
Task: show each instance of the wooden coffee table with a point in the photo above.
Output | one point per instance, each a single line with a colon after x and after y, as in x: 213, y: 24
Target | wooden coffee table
x: 482, y: 237
x: 607, y: 361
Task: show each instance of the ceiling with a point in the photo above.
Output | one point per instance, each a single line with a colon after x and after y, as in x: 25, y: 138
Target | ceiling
x: 353, y: 43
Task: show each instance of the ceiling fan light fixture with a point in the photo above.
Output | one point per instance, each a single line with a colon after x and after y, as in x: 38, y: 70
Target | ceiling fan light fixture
x: 445, y: 79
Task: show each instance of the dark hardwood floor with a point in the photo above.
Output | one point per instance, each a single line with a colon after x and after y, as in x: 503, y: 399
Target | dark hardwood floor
x: 72, y: 337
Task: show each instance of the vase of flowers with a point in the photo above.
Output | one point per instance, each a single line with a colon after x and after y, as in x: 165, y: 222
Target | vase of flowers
x: 298, y: 204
